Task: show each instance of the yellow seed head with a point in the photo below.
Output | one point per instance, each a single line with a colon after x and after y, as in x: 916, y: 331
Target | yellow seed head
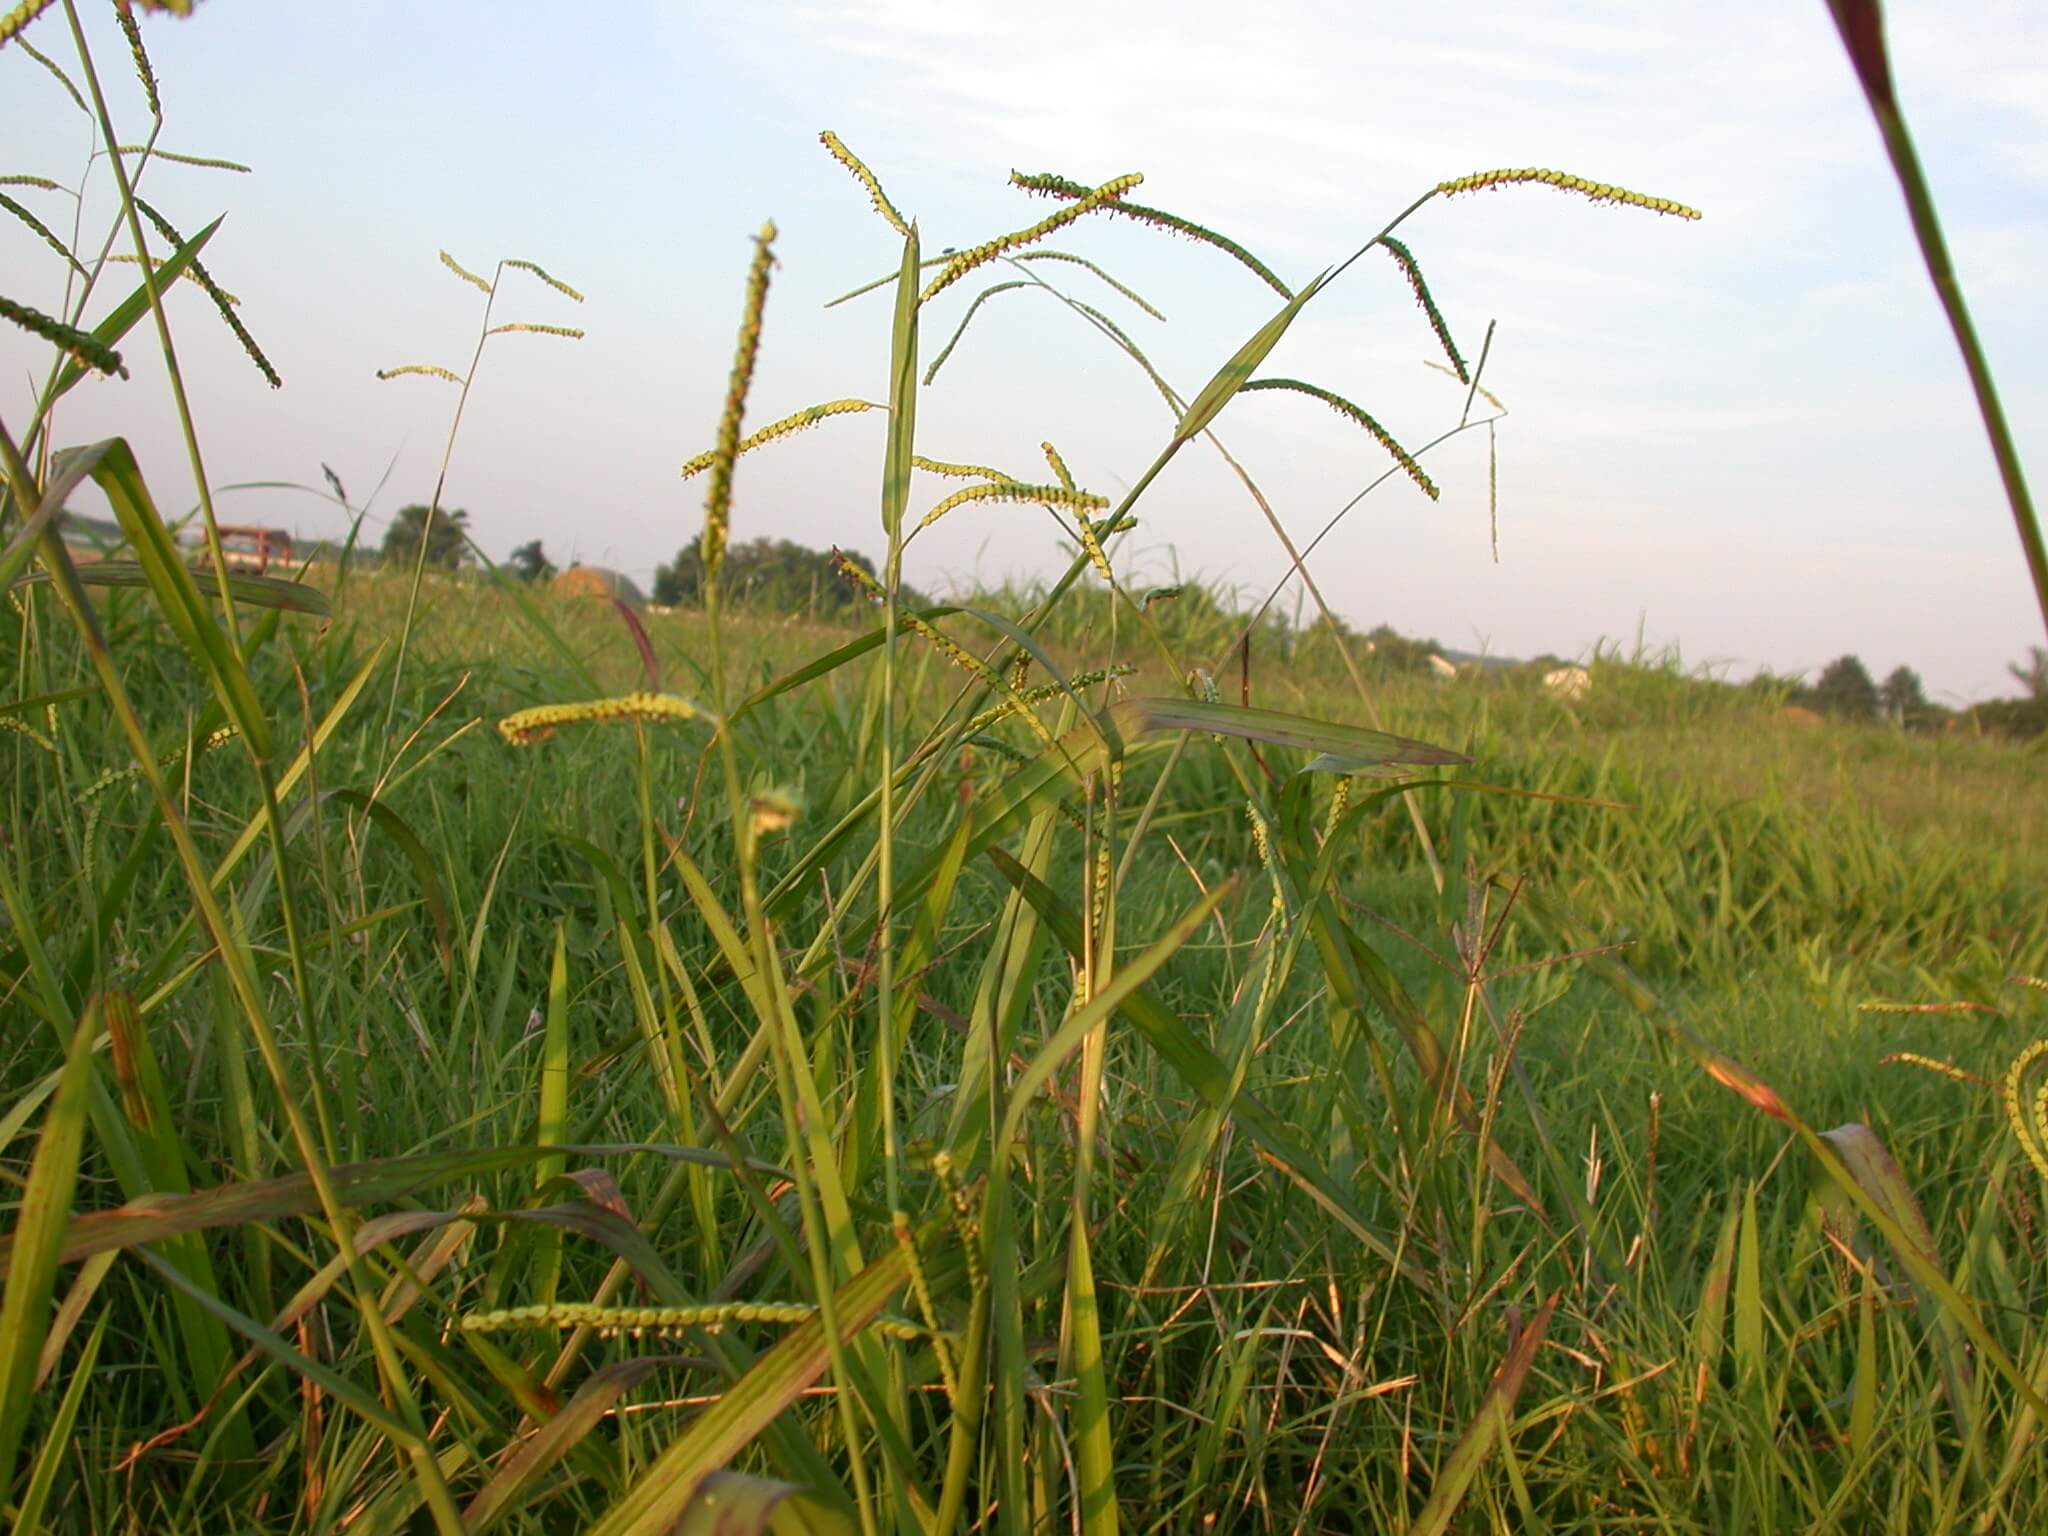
x: 981, y: 255
x: 526, y: 726
x: 718, y: 499
x: 1598, y: 191
x: 837, y: 149
x: 808, y: 417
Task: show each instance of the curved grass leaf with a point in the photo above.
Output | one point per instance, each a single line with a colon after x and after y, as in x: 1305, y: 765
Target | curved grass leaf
x: 355, y: 1184
x: 432, y: 891
x: 35, y: 1246
x: 121, y: 320
x: 112, y: 466
x: 1486, y: 1430
x: 653, y: 1504
x: 256, y: 591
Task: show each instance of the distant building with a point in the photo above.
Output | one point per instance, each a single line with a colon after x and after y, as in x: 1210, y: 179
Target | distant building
x: 249, y: 548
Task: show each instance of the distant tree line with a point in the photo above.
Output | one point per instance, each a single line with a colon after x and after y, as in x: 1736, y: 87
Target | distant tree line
x: 773, y: 575
x: 1845, y: 691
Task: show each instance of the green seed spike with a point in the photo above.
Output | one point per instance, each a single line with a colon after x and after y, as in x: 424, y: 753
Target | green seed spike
x: 1092, y: 546
x: 125, y: 15
x: 431, y: 370
x: 1344, y: 407
x: 1049, y: 185
x: 39, y: 229
x: 129, y: 259
x: 1598, y: 191
x: 40, y: 183
x: 836, y: 148
x: 1412, y: 270
x: 84, y: 346
x: 960, y: 330
x: 2028, y: 1114
x: 553, y: 282
x: 204, y: 162
x: 1082, y: 261
x: 957, y: 471
x: 568, y: 331
x: 20, y: 17
x: 1010, y: 490
x: 718, y: 499
x: 465, y: 274
x: 222, y: 301
x: 809, y: 416
x: 920, y: 1288
x: 1059, y: 465
x: 15, y: 20
x: 1002, y: 245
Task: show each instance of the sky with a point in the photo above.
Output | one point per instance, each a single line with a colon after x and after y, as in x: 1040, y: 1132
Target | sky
x: 1749, y: 438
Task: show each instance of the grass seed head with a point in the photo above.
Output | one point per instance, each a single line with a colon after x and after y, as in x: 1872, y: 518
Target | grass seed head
x: 809, y: 416
x: 837, y: 149
x: 718, y: 499
x: 1598, y: 191
x: 526, y: 726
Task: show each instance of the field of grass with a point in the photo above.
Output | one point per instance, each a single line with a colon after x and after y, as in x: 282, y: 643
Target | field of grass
x: 478, y: 1060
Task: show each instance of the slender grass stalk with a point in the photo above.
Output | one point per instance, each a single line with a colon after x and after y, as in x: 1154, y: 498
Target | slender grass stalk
x: 1861, y: 25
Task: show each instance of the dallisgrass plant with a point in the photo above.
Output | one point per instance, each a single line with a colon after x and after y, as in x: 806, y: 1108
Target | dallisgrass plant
x: 982, y: 1071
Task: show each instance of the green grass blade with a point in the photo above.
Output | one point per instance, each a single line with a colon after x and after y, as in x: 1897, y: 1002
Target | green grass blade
x: 1231, y: 377
x: 113, y: 468
x: 57, y: 1443
x: 36, y: 1243
x: 1454, y: 1479
x: 122, y: 318
x: 1344, y: 748
x: 257, y: 591
x: 651, y: 1506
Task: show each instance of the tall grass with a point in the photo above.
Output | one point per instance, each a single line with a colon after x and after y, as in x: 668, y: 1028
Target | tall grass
x: 1033, y: 1061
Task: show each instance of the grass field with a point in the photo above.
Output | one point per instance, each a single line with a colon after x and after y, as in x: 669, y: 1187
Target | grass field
x: 1720, y: 1357
x: 482, y: 1060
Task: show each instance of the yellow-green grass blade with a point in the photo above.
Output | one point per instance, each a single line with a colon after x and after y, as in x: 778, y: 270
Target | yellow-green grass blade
x: 735, y: 1504
x: 340, y: 1387
x: 113, y: 468
x: 433, y: 891
x: 1094, y: 1447
x: 902, y: 395
x: 146, y: 1100
x: 718, y: 1434
x: 122, y: 318
x: 28, y: 1514
x: 1199, y: 1067
x: 64, y: 479
x: 1759, y: 1094
x: 1126, y: 981
x: 355, y: 1184
x: 1871, y: 1163
x: 556, y: 1438
x: 1749, y: 1296
x: 1485, y: 1431
x: 1343, y: 748
x: 554, y: 1108
x: 1231, y: 377
x: 256, y: 591
x: 35, y: 1247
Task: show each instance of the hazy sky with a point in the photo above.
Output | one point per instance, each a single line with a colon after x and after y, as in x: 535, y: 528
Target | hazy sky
x: 1750, y: 436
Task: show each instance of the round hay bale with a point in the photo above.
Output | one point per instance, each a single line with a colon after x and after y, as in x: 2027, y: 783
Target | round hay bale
x: 596, y: 581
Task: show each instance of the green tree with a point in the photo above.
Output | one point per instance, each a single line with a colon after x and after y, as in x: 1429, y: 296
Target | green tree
x: 776, y: 576
x: 2032, y: 674
x: 530, y: 562
x: 1845, y: 690
x: 446, y: 533
x: 1904, y: 698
